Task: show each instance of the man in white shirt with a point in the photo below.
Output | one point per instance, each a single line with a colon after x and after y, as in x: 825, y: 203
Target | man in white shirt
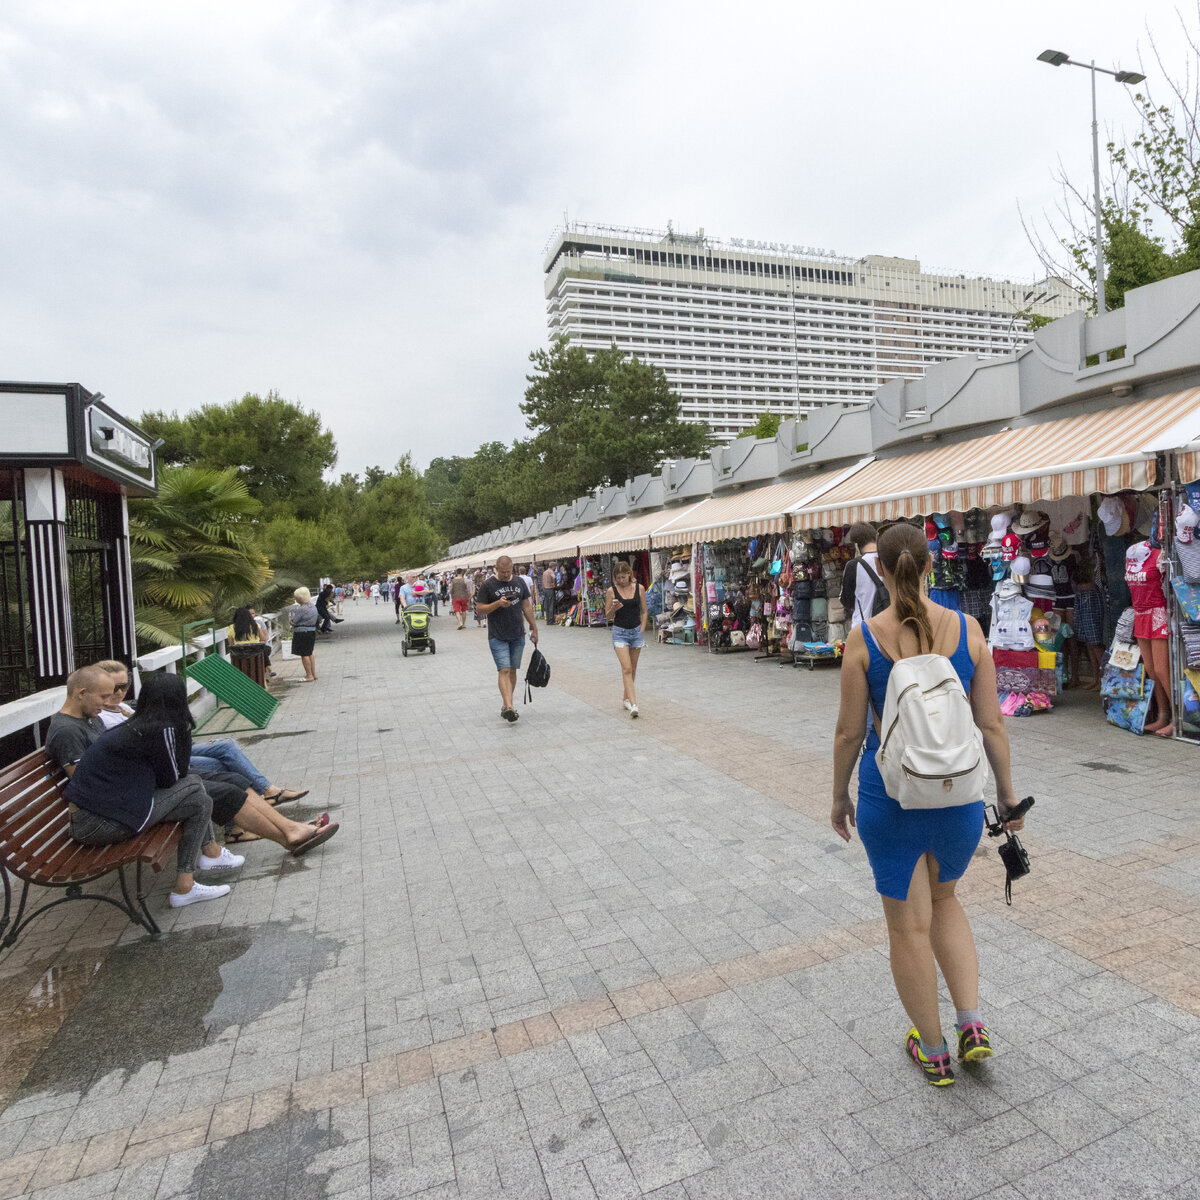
x: 860, y: 580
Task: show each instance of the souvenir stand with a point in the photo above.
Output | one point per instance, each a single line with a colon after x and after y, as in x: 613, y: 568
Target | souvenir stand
x: 1183, y: 532
x: 1065, y: 500
x: 675, y: 621
x: 817, y: 631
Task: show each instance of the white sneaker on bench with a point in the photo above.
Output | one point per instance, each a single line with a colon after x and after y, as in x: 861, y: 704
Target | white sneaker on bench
x: 223, y: 862
x: 199, y: 892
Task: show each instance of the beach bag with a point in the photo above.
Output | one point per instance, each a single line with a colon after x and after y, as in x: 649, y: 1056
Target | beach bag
x: 931, y: 751
x: 537, y: 674
x: 1188, y: 595
x: 754, y: 636
x: 1130, y: 713
x: 1116, y: 684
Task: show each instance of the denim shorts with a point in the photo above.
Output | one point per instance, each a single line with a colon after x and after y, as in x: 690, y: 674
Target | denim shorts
x: 631, y: 638
x: 507, y: 655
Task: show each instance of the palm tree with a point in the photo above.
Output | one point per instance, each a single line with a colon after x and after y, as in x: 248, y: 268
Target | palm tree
x: 194, y: 551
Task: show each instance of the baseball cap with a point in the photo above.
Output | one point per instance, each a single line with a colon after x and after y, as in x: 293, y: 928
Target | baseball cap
x: 1010, y: 547
x: 1111, y: 513
x: 1038, y: 542
x: 1185, y: 524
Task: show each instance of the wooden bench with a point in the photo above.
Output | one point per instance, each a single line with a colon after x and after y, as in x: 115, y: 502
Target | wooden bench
x: 36, y: 847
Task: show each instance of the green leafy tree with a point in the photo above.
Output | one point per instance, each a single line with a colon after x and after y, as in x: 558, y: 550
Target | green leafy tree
x: 194, y: 551
x: 310, y: 550
x: 1150, y: 202
x: 767, y: 426
x: 280, y: 450
x: 388, y: 525
x: 599, y: 419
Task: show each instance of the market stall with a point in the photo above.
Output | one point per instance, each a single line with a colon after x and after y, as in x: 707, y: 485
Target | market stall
x: 1068, y: 501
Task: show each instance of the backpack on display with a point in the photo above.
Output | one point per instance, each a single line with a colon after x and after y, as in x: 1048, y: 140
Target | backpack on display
x: 931, y: 751
x: 537, y: 674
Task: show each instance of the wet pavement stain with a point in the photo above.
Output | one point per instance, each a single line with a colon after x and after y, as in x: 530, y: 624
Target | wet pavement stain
x: 152, y: 999
x: 254, y: 738
x: 269, y: 1163
x: 1113, y: 768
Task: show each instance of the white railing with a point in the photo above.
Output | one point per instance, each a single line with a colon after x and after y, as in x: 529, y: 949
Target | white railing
x: 30, y: 711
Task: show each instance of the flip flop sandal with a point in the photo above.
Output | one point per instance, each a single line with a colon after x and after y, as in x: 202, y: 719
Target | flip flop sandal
x: 241, y: 836
x: 311, y: 843
x: 283, y: 796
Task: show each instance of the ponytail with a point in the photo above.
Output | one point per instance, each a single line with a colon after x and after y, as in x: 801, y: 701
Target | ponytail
x: 903, y: 550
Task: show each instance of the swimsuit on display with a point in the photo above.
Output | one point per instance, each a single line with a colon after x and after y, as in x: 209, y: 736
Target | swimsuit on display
x: 896, y: 838
x: 1143, y: 574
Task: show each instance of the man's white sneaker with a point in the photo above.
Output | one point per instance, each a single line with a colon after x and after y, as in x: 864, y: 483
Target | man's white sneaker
x: 199, y: 892
x: 627, y: 705
x: 633, y: 712
x: 223, y: 862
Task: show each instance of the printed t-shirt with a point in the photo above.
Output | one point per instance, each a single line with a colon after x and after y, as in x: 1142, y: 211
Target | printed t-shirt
x: 504, y: 624
x: 864, y: 586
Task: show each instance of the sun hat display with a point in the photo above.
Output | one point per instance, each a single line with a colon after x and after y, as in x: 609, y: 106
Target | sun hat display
x: 1021, y: 566
x: 1059, y: 550
x: 1007, y: 589
x: 1029, y: 520
x: 1039, y: 586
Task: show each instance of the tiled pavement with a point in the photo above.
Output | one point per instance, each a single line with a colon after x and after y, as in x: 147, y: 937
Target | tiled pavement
x: 585, y: 956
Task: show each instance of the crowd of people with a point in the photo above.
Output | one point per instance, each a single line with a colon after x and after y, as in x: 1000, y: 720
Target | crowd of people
x: 133, y: 766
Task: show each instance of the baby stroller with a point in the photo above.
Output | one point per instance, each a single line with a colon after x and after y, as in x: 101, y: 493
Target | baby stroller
x: 416, y: 630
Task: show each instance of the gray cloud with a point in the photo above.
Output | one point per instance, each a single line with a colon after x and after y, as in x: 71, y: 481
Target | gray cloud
x: 348, y: 200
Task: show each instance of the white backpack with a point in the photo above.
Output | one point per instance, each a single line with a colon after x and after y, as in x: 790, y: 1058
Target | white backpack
x: 931, y: 751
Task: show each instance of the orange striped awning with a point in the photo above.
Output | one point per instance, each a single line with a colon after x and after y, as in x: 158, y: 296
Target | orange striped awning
x: 748, y: 514
x: 1187, y: 464
x: 631, y: 533
x: 1104, y: 452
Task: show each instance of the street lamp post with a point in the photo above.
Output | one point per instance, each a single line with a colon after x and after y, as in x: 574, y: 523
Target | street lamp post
x: 1057, y: 58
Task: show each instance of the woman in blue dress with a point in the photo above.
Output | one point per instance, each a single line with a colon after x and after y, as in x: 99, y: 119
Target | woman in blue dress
x: 918, y: 856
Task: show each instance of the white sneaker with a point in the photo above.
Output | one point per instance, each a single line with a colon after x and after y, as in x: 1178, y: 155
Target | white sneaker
x: 627, y: 705
x: 223, y: 862
x: 198, y: 893
x: 633, y: 712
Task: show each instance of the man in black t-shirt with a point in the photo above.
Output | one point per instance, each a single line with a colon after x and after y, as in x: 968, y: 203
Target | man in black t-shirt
x: 506, y: 602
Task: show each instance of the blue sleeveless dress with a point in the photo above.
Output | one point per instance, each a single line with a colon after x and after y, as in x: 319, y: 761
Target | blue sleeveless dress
x: 896, y: 838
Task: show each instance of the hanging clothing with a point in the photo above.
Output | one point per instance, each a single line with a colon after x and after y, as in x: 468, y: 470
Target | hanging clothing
x: 1144, y: 568
x: 1010, y: 619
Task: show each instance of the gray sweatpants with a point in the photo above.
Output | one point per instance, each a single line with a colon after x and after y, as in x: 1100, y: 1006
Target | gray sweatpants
x: 185, y: 801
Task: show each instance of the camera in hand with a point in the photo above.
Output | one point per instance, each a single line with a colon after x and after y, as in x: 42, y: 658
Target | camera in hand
x: 1013, y: 855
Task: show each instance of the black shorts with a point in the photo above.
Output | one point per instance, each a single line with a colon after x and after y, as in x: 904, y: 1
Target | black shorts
x: 304, y: 642
x: 227, y: 790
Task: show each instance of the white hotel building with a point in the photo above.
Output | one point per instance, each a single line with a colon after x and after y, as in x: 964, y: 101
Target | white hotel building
x: 742, y: 328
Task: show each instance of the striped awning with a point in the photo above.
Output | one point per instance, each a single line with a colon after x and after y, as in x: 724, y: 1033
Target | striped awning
x: 749, y: 514
x: 1103, y: 452
x: 1187, y: 464
x: 631, y: 533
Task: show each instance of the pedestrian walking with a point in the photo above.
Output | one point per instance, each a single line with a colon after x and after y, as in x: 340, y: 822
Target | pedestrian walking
x: 625, y: 606
x: 506, y: 604
x: 549, y: 596
x: 476, y: 584
x: 460, y: 597
x: 431, y: 593
x: 917, y: 855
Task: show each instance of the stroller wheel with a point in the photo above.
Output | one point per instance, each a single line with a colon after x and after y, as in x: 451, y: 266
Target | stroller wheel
x: 404, y: 649
x: 432, y: 646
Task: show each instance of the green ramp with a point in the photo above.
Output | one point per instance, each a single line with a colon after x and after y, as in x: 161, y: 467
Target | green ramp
x: 231, y: 688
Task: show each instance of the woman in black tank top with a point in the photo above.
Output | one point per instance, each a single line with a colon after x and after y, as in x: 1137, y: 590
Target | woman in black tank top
x: 625, y: 606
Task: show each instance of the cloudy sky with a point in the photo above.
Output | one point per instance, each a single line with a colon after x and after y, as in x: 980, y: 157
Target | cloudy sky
x: 348, y: 200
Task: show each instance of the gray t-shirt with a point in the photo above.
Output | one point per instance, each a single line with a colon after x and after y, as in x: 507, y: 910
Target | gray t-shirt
x: 68, y: 737
x: 504, y: 624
